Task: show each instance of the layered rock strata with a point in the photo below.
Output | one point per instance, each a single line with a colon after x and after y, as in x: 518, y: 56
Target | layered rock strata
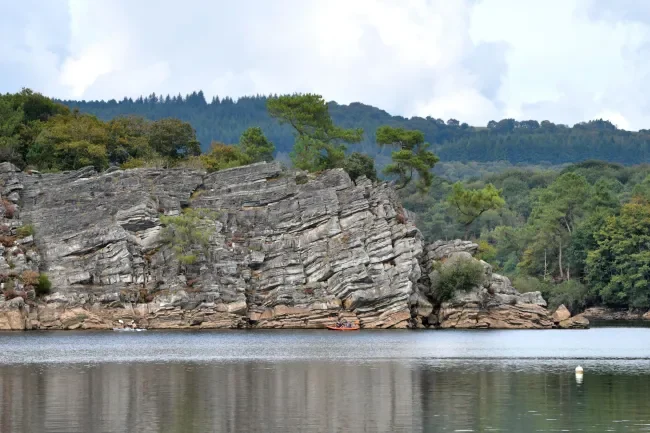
x: 286, y: 249
x: 494, y: 304
x: 282, y: 249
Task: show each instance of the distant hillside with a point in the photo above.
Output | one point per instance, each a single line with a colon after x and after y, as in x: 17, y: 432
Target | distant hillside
x: 517, y: 142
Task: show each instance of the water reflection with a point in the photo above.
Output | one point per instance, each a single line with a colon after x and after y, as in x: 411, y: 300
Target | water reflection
x: 314, y: 396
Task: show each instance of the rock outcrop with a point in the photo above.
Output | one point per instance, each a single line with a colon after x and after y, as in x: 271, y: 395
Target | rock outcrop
x: 612, y: 314
x: 494, y: 304
x: 561, y: 313
x: 286, y: 249
x: 278, y: 249
x: 576, y: 322
x: 563, y: 319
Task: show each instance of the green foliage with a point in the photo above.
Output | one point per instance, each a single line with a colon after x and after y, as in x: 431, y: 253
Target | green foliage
x: 9, y: 286
x: 256, y: 146
x: 37, y: 132
x: 69, y: 142
x: 411, y: 158
x: 188, y: 259
x: 128, y: 138
x: 358, y: 164
x: 573, y: 294
x: 319, y: 143
x: 43, y: 286
x: 24, y: 231
x: 526, y: 284
x: 189, y: 234
x: 486, y: 252
x: 469, y: 204
x: 549, y: 225
x: 556, y: 215
x: 461, y: 275
x: 223, y: 156
x: 643, y: 189
x: 527, y: 141
x: 618, y: 269
x: 173, y: 138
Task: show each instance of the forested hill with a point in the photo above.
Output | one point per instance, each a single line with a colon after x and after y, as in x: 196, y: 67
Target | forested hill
x: 530, y: 141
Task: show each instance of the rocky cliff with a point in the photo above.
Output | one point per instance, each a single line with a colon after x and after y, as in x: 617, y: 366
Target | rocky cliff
x: 281, y: 250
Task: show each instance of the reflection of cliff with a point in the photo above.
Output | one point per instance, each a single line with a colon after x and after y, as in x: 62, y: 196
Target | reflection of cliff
x: 241, y: 397
x: 287, y: 397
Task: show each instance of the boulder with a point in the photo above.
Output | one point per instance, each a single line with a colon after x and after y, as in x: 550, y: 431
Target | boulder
x: 562, y: 313
x: 14, y: 315
x: 576, y: 322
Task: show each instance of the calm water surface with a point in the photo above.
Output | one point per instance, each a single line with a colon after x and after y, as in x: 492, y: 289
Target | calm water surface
x: 320, y: 381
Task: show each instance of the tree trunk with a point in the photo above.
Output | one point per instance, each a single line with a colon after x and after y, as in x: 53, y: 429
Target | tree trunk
x: 545, y: 265
x: 560, y: 262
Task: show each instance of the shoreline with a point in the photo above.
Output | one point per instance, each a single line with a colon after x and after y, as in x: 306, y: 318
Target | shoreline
x: 596, y: 324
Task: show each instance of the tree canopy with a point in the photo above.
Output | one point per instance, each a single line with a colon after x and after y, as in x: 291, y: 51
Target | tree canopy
x: 39, y: 133
x: 469, y: 204
x: 223, y: 119
x: 256, y: 146
x: 411, y: 158
x: 320, y: 144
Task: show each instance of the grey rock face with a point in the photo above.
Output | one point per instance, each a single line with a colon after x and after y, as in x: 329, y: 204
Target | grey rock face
x: 283, y: 250
x: 286, y: 250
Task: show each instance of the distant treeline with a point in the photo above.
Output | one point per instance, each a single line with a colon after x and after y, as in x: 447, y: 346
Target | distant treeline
x: 518, y: 142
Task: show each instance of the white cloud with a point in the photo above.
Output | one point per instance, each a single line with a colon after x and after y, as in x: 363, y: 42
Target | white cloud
x: 562, y: 60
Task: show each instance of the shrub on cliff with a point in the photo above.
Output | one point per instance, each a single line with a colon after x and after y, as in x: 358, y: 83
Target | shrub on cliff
x: 29, y: 278
x: 458, y: 276
x: 223, y: 156
x: 43, y: 286
x: 358, y: 164
x: 189, y: 234
x: 25, y: 231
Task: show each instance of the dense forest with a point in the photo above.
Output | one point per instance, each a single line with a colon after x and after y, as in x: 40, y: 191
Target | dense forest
x: 579, y: 232
x: 528, y: 141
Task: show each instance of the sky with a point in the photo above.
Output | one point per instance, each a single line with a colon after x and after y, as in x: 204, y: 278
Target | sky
x: 473, y: 60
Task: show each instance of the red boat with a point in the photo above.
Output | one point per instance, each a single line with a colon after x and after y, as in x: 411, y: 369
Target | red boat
x: 343, y: 328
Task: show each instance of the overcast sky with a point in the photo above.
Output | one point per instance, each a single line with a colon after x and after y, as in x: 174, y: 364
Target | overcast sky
x: 473, y: 60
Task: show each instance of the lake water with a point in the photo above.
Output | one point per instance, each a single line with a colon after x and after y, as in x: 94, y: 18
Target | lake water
x: 323, y: 381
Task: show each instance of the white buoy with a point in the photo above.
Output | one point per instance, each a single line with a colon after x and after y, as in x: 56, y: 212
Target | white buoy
x: 579, y: 375
x: 120, y: 321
